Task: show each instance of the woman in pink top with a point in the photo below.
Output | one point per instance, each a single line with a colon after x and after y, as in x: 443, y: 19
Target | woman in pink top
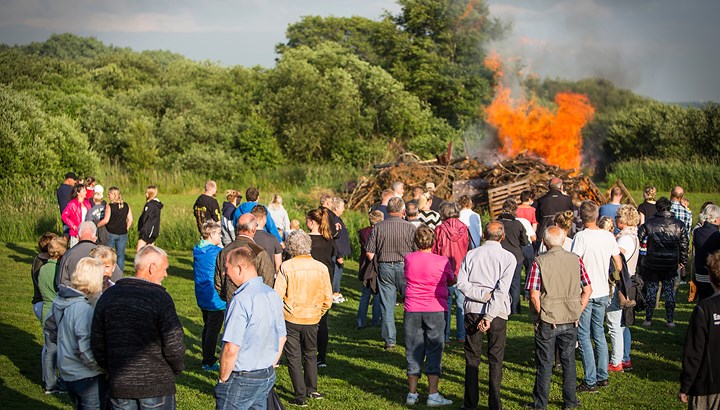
x: 427, y: 277
x: 525, y: 209
x: 75, y: 211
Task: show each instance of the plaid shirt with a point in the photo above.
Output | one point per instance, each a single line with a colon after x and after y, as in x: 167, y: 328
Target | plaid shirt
x: 682, y: 214
x: 534, y: 281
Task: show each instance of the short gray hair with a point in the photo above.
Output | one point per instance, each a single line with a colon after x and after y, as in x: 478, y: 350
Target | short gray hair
x: 494, y: 231
x: 589, y: 211
x: 395, y: 185
x: 210, y: 227
x: 710, y: 213
x: 87, y: 228
x: 337, y: 202
x: 553, y: 237
x: 449, y: 210
x: 144, y: 256
x: 299, y: 243
x: 395, y: 205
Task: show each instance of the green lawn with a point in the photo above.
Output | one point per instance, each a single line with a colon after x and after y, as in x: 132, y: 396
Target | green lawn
x: 360, y: 374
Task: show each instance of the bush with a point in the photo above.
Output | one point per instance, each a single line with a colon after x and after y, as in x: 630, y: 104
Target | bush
x: 694, y: 175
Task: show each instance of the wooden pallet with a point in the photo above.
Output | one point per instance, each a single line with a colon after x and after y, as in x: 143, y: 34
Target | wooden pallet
x: 497, y: 196
x: 627, y: 198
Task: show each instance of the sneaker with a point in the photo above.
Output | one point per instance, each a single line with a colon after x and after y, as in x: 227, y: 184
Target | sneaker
x: 338, y: 299
x: 627, y: 365
x: 316, y: 395
x: 211, y: 368
x: 585, y: 388
x: 436, y: 400
x: 298, y: 402
x: 603, y: 383
x: 647, y: 323
x: 615, y: 368
x: 412, y: 398
x: 55, y: 391
x: 670, y: 324
x: 321, y: 363
x: 389, y: 346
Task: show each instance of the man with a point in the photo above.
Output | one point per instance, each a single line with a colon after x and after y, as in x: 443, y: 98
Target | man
x: 411, y: 214
x: 557, y: 299
x: 596, y: 247
x: 398, y: 189
x: 137, y: 336
x: 451, y: 241
x: 264, y: 239
x: 304, y: 285
x: 416, y: 194
x: 390, y: 241
x: 206, y: 207
x: 87, y: 238
x: 246, y: 229
x: 683, y: 214
x: 342, y: 243
x: 705, y: 242
x: 385, y: 196
x: 667, y: 251
x: 548, y: 205
x: 515, y: 240
x: 484, y: 279
x: 251, y: 195
x: 63, y: 196
x: 254, y: 337
x: 435, y: 200
x: 610, y: 209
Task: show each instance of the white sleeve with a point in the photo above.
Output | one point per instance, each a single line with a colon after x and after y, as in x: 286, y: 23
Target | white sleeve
x: 628, y: 243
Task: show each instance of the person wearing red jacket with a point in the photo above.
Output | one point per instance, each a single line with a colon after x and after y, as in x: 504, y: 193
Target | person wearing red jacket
x: 75, y: 211
x: 451, y: 240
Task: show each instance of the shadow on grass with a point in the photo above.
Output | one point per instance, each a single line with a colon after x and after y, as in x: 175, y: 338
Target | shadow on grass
x: 26, y: 255
x: 12, y: 399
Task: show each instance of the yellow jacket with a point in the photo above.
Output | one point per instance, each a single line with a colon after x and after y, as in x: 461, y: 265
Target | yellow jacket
x: 304, y: 285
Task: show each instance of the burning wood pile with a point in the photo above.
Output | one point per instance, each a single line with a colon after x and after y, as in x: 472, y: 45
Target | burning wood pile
x: 443, y: 173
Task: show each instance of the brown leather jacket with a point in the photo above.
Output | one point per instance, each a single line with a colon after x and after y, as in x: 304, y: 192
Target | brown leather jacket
x: 304, y: 285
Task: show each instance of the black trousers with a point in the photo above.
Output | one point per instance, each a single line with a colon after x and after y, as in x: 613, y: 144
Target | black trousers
x: 473, y: 350
x: 301, y: 353
x: 322, y: 338
x: 212, y: 323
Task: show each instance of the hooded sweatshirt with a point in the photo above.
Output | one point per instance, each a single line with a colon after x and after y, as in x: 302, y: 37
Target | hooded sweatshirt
x: 451, y: 240
x: 204, y: 256
x: 228, y: 228
x: 73, y: 314
x: 149, y: 222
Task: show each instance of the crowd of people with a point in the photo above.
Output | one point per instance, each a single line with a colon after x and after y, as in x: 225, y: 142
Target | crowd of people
x: 268, y: 286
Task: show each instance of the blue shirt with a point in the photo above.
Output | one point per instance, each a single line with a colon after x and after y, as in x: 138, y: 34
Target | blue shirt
x: 270, y: 226
x: 255, y: 322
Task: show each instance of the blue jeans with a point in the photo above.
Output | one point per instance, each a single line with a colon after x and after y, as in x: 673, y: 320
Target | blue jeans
x: 591, y: 329
x: 148, y: 403
x: 118, y: 242
x: 336, y: 278
x: 424, y: 342
x: 363, y: 308
x: 49, y: 368
x: 245, y: 390
x: 546, y: 339
x: 391, y: 280
x: 614, y: 317
x: 88, y: 393
x: 627, y: 341
x: 454, y: 293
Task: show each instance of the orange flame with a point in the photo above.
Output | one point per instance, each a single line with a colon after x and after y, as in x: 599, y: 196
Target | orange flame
x: 527, y: 126
x: 469, y: 8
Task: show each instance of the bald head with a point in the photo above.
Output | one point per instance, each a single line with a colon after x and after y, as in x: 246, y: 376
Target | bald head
x: 553, y: 237
x: 246, y: 225
x: 495, y: 231
x: 555, y: 183
x: 677, y: 193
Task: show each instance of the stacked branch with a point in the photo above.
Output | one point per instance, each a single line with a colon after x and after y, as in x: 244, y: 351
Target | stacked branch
x: 416, y: 173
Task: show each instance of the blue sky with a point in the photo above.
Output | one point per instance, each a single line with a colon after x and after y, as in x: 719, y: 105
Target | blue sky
x: 659, y: 48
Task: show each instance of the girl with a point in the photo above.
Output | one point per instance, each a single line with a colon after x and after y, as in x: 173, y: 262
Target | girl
x: 228, y: 210
x: 118, y: 219
x: 149, y: 223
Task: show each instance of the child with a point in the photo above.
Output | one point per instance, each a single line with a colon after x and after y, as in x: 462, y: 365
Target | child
x: 108, y: 257
x: 97, y: 213
x: 294, y: 226
x: 46, y: 283
x: 149, y: 223
x: 40, y: 260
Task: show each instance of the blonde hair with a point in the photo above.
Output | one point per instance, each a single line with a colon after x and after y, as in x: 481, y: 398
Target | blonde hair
x: 606, y: 223
x: 231, y: 195
x: 104, y: 254
x: 151, y: 192
x: 276, y: 201
x: 628, y: 215
x: 57, y: 247
x: 115, y: 196
x: 422, y: 201
x: 88, y: 276
x: 564, y: 220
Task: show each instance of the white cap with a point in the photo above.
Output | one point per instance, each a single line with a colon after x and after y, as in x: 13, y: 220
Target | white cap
x: 99, y: 190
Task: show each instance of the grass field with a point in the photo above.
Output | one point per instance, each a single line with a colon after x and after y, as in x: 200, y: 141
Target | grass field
x: 360, y: 374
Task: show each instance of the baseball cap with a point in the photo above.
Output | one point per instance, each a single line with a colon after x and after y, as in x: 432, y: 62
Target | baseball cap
x: 99, y: 190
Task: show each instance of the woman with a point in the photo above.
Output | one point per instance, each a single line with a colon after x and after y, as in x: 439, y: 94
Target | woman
x: 76, y: 211
x: 149, y: 223
x: 514, y: 241
x: 427, y: 215
x: 564, y: 220
x: 228, y: 210
x: 710, y: 217
x: 279, y: 215
x: 108, y: 257
x: 40, y: 260
x: 46, y: 284
x: 471, y: 219
x: 647, y: 209
x: 117, y: 220
x: 427, y: 277
x: 72, y: 313
x: 525, y: 209
x: 212, y: 307
x: 374, y: 217
x: 323, y: 250
x: 627, y: 221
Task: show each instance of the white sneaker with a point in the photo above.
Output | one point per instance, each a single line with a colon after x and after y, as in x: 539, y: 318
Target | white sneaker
x: 412, y: 398
x: 338, y: 299
x: 436, y: 400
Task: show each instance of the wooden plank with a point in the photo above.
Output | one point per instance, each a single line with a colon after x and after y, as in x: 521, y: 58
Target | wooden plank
x: 627, y: 197
x: 497, y: 196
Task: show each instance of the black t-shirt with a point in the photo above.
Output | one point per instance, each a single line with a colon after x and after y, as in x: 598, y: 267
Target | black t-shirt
x: 268, y: 242
x: 324, y: 251
x: 206, y: 208
x: 647, y: 209
x: 117, y: 225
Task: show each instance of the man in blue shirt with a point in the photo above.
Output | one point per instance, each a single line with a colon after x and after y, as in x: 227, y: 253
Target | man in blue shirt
x: 252, y: 194
x: 255, y: 313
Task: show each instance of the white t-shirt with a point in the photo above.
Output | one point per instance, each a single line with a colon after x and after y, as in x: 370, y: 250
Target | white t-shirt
x: 627, y: 242
x: 529, y: 231
x: 596, y: 247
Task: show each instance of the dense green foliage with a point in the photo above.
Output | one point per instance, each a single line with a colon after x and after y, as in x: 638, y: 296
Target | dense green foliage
x: 664, y: 174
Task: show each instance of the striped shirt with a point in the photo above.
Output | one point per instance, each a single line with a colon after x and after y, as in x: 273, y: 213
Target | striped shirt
x: 683, y: 215
x: 392, y: 239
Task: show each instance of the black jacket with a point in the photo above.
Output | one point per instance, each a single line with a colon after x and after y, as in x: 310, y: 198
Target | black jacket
x: 149, y: 222
x: 515, y: 236
x: 667, y: 243
x: 206, y: 208
x: 700, y: 374
x: 547, y: 206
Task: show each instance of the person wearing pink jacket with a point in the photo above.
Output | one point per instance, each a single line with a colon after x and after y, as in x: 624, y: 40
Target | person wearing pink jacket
x: 75, y: 211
